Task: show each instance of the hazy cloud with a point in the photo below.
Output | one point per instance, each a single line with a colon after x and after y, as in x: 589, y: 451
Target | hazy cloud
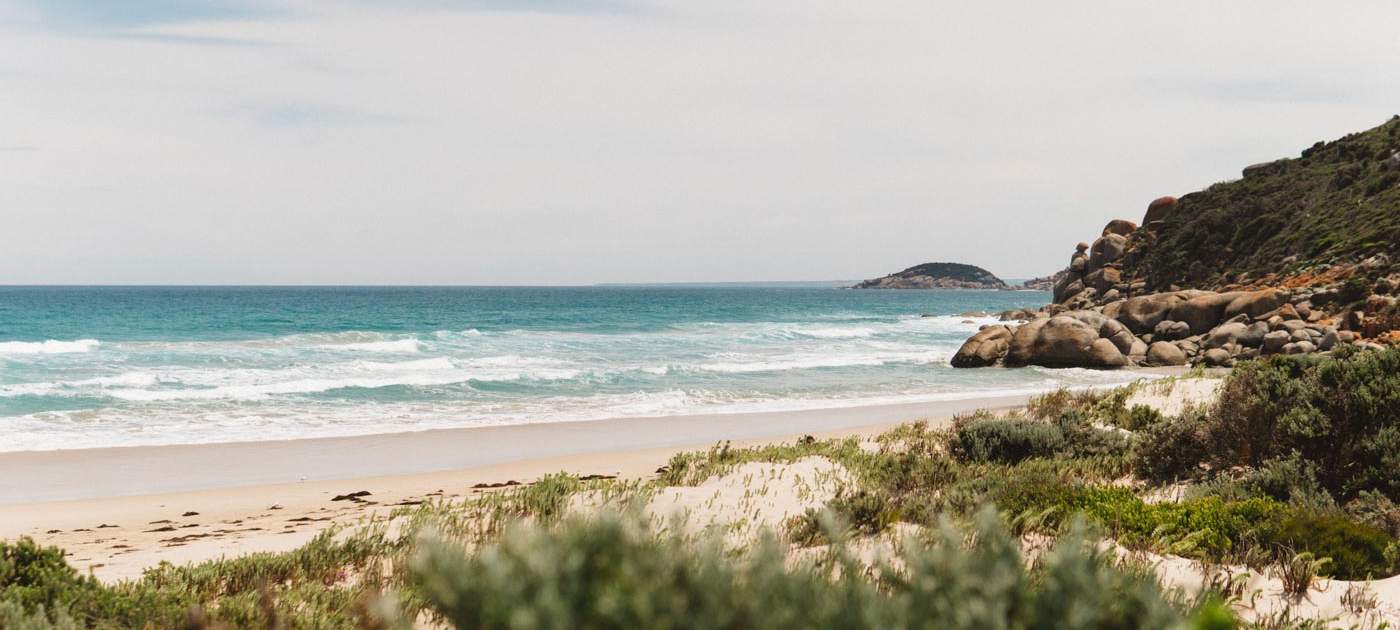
x: 504, y: 141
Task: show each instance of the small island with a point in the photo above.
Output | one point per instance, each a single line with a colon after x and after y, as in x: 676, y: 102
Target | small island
x: 937, y: 275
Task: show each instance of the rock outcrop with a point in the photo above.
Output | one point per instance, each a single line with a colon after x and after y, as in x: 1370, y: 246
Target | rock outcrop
x: 937, y: 276
x: 986, y: 348
x: 1302, y: 256
x: 1074, y: 339
x: 1205, y: 327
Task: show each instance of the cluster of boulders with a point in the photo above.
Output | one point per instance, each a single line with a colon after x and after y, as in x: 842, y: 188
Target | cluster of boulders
x: 1095, y: 270
x: 1175, y: 328
x: 1101, y: 319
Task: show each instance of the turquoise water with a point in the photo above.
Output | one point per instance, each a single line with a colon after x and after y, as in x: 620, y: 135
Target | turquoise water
x: 109, y: 366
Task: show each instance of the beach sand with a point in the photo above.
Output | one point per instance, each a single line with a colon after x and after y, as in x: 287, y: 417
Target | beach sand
x: 121, y: 510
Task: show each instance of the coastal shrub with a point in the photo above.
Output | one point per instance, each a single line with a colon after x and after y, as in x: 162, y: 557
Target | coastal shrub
x: 1084, y: 440
x: 15, y: 617
x: 1051, y: 404
x: 1355, y: 289
x: 1171, y: 448
x: 1006, y: 440
x: 1375, y: 509
x: 1340, y: 414
x: 1141, y: 417
x: 612, y: 573
x: 1356, y: 551
x: 304, y: 588
x: 901, y: 474
x: 36, y: 584
x: 1095, y: 406
x: 867, y: 512
x: 1289, y: 480
x: 1212, y: 527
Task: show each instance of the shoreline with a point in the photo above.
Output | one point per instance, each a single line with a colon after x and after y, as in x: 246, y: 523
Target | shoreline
x: 125, y: 471
x: 117, y: 536
x: 121, y: 510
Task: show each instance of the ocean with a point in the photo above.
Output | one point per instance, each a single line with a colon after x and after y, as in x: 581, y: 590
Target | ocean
x: 88, y: 367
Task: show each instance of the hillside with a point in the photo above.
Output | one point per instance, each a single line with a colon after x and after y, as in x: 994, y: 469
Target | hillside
x: 937, y: 275
x: 1337, y: 203
x: 1299, y: 256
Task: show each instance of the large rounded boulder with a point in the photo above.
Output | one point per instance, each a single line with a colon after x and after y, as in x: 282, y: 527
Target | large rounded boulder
x: 1107, y: 249
x: 1141, y: 314
x: 1069, y: 340
x: 983, y: 349
x: 1159, y: 210
x: 1254, y: 303
x: 1206, y: 311
x: 1103, y: 279
x: 1162, y: 353
x: 1121, y: 227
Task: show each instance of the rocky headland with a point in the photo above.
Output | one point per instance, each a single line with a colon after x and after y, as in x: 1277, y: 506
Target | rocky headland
x: 937, y: 275
x: 1297, y: 257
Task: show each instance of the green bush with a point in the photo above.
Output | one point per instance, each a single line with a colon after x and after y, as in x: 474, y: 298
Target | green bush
x: 1291, y: 480
x: 1142, y: 416
x: 1339, y: 414
x: 35, y: 579
x: 1356, y: 550
x: 1374, y: 509
x: 1172, y: 448
x: 15, y: 617
x: 612, y: 573
x: 1006, y: 440
x: 1355, y: 289
x: 297, y: 589
x: 1084, y: 440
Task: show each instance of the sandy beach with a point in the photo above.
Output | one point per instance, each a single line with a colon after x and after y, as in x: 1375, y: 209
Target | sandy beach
x: 120, y: 510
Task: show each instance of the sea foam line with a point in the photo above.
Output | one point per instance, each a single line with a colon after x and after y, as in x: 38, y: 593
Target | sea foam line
x: 51, y: 346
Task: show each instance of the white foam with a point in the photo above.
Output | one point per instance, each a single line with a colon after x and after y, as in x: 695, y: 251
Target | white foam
x: 833, y: 332
x: 256, y: 384
x: 51, y: 346
x: 396, y: 345
x: 822, y: 360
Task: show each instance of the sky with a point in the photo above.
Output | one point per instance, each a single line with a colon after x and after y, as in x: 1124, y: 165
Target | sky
x: 583, y: 141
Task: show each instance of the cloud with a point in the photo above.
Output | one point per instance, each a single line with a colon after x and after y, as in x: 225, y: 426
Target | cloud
x: 303, y: 115
x: 137, y: 13
x: 519, y: 6
x: 471, y: 142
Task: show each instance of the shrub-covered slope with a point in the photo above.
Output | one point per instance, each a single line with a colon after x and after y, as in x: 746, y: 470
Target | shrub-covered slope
x: 1337, y: 203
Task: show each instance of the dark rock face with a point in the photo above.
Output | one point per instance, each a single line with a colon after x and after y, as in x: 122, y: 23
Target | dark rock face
x: 937, y: 276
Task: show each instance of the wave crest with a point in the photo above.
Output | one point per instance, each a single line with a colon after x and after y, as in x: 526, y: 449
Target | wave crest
x: 50, y: 346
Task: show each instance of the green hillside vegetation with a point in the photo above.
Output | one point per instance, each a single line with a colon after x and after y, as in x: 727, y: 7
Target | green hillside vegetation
x: 939, y: 273
x: 1337, y: 203
x: 956, y: 271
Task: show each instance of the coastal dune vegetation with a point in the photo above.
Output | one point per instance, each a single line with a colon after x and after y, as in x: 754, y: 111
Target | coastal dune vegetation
x: 1273, y: 505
